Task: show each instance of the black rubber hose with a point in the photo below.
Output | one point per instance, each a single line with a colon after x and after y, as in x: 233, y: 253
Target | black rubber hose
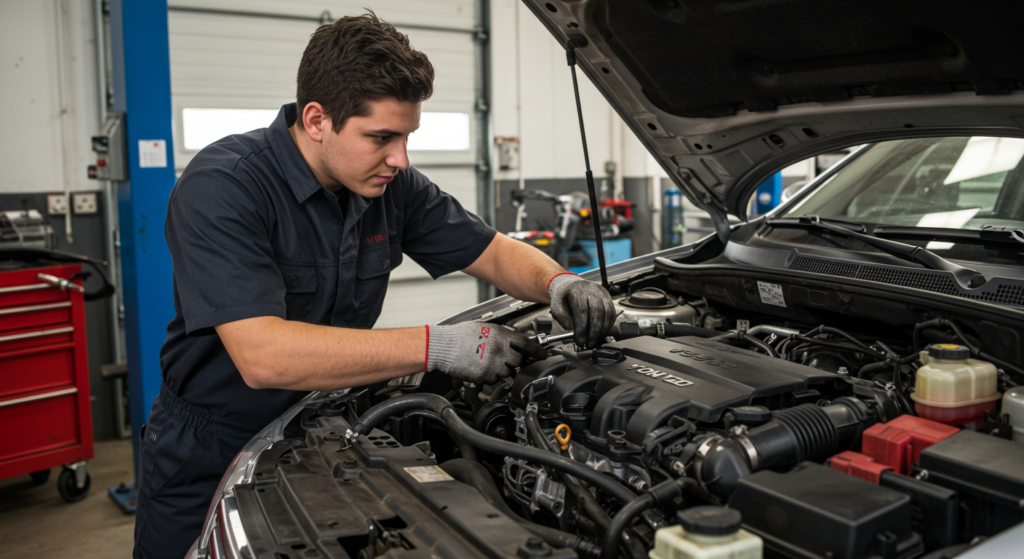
x: 476, y: 475
x: 627, y: 330
x: 757, y: 343
x: 872, y: 368
x: 106, y: 290
x: 837, y: 345
x: 901, y: 394
x: 465, y: 449
x: 396, y: 406
x: 375, y: 415
x: 837, y: 332
x: 660, y: 493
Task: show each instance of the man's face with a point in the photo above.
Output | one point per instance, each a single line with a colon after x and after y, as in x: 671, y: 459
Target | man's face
x: 369, y: 150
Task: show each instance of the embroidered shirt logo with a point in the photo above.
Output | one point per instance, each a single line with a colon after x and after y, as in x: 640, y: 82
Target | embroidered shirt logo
x: 374, y: 239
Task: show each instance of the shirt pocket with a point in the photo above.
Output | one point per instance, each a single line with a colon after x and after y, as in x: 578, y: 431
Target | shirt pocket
x: 373, y: 263
x: 300, y: 285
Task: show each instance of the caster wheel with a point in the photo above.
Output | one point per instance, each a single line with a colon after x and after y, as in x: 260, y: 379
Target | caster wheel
x: 40, y: 477
x: 69, y: 489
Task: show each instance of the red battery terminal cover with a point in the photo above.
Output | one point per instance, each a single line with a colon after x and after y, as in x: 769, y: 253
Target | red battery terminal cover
x: 858, y: 465
x: 899, y: 442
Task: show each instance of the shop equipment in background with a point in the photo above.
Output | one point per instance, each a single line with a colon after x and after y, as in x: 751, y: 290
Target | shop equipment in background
x: 44, y: 375
x: 26, y: 229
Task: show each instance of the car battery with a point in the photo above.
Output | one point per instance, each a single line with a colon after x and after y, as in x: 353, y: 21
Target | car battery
x: 987, y: 472
x: 814, y: 511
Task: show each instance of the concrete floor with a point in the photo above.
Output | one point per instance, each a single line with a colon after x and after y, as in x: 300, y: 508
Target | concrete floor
x: 36, y: 522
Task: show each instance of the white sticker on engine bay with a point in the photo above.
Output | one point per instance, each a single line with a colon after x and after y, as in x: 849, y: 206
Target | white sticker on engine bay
x: 428, y: 474
x: 771, y: 294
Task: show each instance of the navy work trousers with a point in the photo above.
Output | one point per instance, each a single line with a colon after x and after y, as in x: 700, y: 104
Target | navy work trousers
x: 184, y: 453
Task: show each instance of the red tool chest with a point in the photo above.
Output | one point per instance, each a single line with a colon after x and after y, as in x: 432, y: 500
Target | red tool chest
x: 45, y: 414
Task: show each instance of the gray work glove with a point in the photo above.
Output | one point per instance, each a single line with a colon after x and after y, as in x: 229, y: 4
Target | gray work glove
x: 582, y: 306
x: 477, y: 352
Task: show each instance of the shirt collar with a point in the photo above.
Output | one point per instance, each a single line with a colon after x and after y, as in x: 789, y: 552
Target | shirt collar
x: 300, y: 176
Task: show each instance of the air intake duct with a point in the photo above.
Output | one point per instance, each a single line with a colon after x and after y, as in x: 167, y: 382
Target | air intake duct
x: 805, y: 432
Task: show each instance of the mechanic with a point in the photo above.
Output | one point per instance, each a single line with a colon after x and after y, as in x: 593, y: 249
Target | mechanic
x: 282, y: 240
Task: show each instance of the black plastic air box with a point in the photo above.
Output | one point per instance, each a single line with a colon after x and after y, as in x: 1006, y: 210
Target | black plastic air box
x: 987, y: 471
x: 814, y: 511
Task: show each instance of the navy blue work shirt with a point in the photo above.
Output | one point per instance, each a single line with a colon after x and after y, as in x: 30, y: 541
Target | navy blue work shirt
x: 252, y: 233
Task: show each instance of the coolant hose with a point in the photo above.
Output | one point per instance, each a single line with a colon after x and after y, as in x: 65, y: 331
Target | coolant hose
x: 476, y: 475
x: 626, y: 330
x: 744, y: 337
x: 660, y: 493
x: 377, y: 414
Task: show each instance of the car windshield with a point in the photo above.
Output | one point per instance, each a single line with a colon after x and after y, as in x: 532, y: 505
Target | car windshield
x: 954, y: 182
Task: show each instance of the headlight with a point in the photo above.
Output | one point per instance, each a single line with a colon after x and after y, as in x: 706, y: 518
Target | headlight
x: 223, y: 536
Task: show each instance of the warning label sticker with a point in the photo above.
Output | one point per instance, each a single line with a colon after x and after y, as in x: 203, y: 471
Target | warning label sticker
x: 771, y: 294
x: 427, y: 474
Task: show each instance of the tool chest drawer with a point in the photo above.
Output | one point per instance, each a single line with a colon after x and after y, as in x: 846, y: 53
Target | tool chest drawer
x: 44, y: 377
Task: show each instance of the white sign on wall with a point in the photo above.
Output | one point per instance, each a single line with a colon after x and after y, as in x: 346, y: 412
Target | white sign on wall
x: 152, y: 153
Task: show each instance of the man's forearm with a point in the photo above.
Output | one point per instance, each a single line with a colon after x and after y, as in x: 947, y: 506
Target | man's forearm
x: 271, y: 352
x: 516, y: 268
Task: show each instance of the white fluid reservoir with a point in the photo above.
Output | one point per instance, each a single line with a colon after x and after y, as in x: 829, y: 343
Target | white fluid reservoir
x: 1013, y: 406
x: 707, y: 532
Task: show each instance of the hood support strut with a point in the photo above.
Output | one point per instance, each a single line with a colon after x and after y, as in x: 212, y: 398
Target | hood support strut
x: 595, y: 215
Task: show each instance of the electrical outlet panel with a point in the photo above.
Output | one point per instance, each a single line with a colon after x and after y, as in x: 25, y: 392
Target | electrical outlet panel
x: 56, y: 204
x: 84, y: 203
x: 110, y: 149
x: 508, y: 152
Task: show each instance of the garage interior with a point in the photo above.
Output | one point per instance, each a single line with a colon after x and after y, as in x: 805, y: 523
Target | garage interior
x: 81, y: 79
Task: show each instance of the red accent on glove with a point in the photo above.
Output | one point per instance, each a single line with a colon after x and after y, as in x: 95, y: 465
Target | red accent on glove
x: 556, y: 275
x: 426, y: 353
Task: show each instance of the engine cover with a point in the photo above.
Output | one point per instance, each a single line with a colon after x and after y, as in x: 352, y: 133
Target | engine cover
x: 690, y: 377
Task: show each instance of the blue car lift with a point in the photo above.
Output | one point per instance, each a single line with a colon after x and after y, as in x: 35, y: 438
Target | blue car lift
x: 141, y: 69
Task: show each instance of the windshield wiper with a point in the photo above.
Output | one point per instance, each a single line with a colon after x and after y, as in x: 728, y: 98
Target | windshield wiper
x: 993, y: 233
x: 966, y: 277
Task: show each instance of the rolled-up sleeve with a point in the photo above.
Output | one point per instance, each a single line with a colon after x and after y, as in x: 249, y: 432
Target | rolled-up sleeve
x: 218, y: 232
x: 439, y: 234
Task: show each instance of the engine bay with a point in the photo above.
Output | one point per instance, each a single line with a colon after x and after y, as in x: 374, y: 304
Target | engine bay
x: 696, y: 421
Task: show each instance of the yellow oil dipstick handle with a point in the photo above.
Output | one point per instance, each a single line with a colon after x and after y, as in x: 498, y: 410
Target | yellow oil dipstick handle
x: 563, y: 439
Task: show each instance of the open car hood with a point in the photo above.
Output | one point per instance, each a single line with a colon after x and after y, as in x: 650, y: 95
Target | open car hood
x: 725, y: 93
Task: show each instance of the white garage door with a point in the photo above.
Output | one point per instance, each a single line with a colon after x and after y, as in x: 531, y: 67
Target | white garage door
x: 233, y: 64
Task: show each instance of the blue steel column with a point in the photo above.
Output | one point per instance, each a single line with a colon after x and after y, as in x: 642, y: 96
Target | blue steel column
x: 142, y: 90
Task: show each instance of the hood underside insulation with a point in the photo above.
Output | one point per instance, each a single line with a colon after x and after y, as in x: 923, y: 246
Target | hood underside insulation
x: 714, y: 58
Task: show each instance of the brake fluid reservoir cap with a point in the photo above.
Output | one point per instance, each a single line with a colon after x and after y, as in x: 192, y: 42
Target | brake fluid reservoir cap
x: 948, y: 351
x: 710, y: 520
x: 649, y: 299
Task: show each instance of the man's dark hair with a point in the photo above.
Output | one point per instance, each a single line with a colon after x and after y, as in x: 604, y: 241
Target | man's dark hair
x: 358, y: 59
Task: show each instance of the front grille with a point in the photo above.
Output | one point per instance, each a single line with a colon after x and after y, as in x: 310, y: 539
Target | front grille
x: 999, y: 290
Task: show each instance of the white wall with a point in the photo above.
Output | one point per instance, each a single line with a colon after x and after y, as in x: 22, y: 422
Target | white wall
x: 45, y: 147
x: 533, y: 99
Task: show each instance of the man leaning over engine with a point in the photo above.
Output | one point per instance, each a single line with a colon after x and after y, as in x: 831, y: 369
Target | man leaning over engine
x: 282, y: 241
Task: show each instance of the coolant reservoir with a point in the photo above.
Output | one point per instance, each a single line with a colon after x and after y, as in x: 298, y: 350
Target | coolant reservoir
x: 952, y: 388
x: 707, y: 533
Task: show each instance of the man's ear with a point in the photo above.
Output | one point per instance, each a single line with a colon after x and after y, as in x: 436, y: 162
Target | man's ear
x: 314, y: 121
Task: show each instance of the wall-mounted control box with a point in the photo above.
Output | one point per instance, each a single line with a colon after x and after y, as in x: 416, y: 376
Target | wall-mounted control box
x: 111, y: 150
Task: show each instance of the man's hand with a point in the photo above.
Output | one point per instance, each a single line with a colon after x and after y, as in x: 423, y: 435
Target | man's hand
x: 582, y: 306
x: 478, y: 352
